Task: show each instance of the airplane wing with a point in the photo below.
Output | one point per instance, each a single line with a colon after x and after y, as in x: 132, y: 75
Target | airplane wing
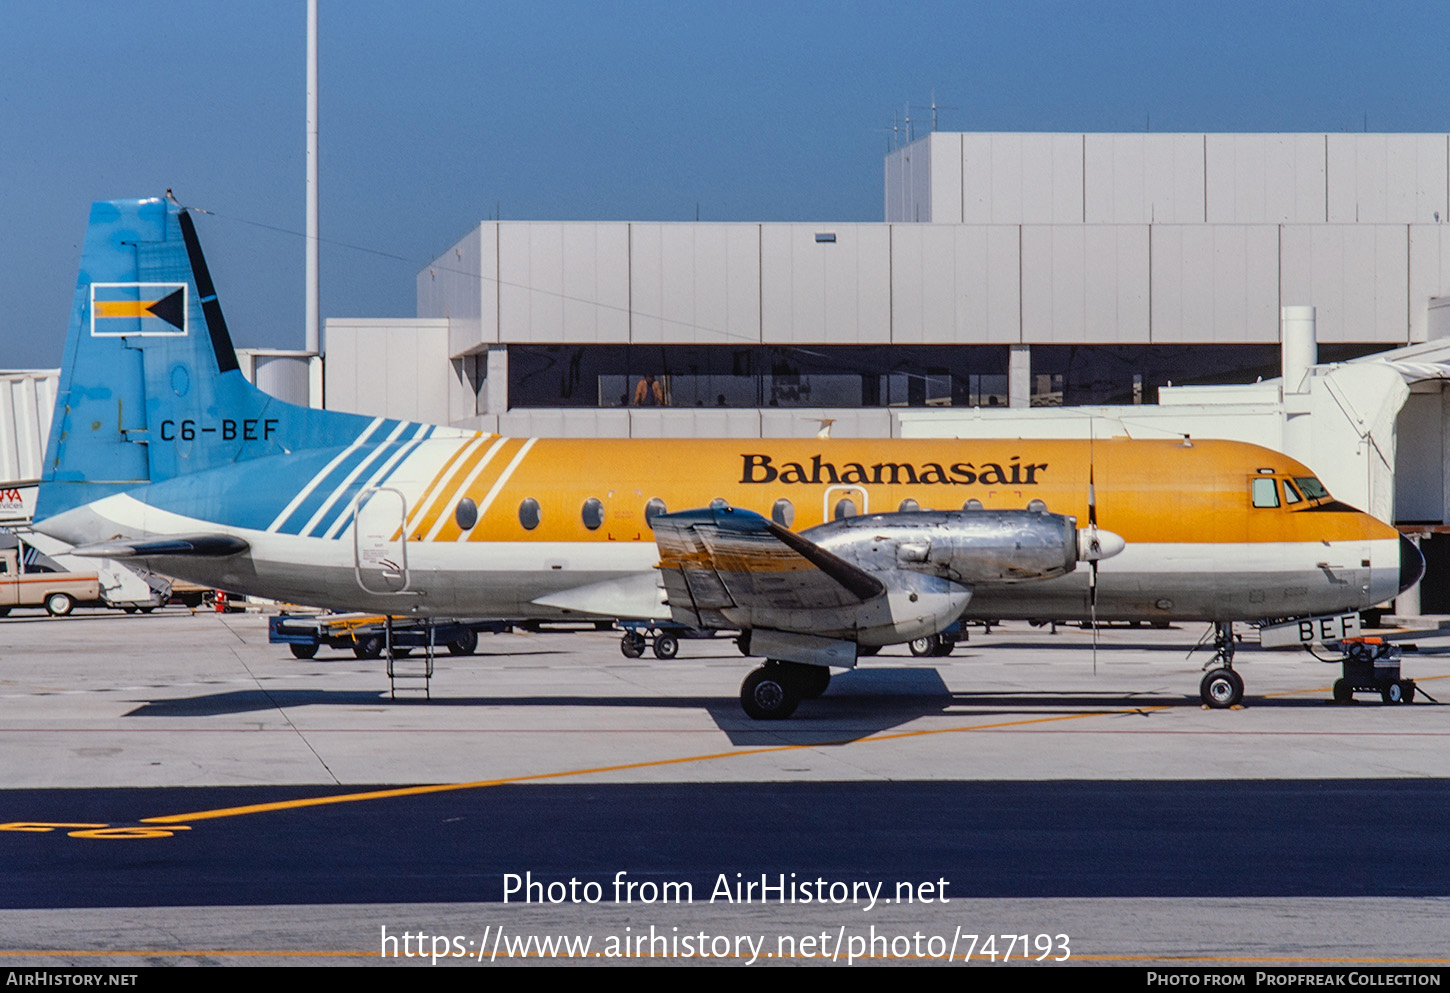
x: 722, y: 561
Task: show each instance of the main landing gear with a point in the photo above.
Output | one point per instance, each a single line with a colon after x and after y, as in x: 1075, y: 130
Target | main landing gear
x: 772, y: 692
x: 1222, y: 688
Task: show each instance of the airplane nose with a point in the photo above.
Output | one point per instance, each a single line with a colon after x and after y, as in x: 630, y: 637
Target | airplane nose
x: 1412, y: 563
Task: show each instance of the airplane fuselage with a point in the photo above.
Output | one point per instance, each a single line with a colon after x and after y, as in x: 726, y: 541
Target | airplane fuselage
x: 410, y: 519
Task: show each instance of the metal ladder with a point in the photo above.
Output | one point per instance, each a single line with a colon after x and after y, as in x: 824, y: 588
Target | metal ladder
x: 423, y: 672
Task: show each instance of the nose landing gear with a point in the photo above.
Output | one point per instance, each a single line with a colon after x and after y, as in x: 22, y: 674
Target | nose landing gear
x: 1221, y: 687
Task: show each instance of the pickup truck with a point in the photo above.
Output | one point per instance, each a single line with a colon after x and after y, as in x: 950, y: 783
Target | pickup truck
x: 57, y: 592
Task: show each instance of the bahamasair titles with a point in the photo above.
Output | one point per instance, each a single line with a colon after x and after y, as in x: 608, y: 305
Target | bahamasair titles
x: 818, y: 551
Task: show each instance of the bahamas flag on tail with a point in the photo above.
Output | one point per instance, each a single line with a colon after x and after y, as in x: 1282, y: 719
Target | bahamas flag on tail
x: 150, y: 388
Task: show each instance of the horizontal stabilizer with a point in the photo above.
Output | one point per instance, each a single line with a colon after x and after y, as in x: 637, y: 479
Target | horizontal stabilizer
x: 190, y: 545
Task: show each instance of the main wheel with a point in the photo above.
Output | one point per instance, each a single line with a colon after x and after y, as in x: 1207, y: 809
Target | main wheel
x: 465, y: 644
x: 1409, y: 688
x: 944, y: 647
x: 866, y: 651
x: 667, y: 646
x: 769, y: 694
x: 303, y: 651
x: 1342, y: 692
x: 368, y: 646
x: 59, y: 604
x: 811, y: 680
x: 1221, y: 688
x: 632, y: 644
x: 925, y: 647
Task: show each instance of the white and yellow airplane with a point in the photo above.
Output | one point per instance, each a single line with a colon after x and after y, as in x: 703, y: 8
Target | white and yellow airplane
x: 817, y: 550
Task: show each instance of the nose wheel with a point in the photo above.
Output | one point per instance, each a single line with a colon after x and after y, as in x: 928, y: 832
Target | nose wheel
x: 1221, y: 687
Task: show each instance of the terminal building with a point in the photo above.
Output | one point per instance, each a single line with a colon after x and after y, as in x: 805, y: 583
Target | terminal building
x: 1289, y: 289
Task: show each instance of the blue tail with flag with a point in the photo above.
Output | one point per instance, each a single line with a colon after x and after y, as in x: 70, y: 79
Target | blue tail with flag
x: 150, y: 387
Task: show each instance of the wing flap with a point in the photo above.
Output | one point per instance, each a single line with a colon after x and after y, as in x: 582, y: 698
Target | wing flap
x: 719, y: 559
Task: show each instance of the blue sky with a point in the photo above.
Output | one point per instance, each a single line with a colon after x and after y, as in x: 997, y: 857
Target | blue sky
x: 435, y: 114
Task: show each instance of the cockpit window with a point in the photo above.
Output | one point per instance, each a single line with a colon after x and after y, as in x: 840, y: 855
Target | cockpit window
x: 1291, y: 495
x: 1311, y: 487
x: 1265, y: 492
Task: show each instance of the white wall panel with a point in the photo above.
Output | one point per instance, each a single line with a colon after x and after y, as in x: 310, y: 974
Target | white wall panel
x: 1386, y: 178
x: 1084, y: 283
x: 1429, y: 273
x: 955, y: 283
x: 1265, y: 178
x: 1420, y: 459
x: 388, y: 368
x: 563, y: 282
x: 695, y: 283
x: 837, y: 293
x: 944, y: 179
x: 1143, y: 178
x: 901, y: 189
x: 1356, y: 275
x: 694, y: 423
x: 805, y: 422
x: 27, y: 400
x: 1215, y: 283
x: 462, y: 285
x: 582, y: 422
x: 1022, y: 178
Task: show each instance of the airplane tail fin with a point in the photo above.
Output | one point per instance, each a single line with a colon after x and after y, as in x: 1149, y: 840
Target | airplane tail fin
x: 150, y: 387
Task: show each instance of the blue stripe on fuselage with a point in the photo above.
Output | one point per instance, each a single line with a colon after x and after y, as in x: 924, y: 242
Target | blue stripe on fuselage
x: 415, y: 443
x: 299, y: 517
x: 243, y: 495
x: 379, y: 456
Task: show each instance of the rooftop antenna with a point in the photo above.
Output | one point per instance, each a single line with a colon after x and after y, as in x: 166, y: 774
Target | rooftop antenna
x: 936, y: 107
x: 909, y: 136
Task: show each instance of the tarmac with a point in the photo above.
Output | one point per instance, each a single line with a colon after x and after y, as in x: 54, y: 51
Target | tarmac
x: 174, y: 776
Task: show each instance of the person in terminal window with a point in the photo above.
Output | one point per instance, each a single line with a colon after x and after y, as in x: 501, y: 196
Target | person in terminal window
x: 648, y: 392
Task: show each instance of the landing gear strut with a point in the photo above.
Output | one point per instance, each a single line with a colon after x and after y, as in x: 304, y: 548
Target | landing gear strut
x: 1222, y: 687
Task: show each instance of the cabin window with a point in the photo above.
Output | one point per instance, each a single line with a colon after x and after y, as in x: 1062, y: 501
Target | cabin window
x: 1291, y: 495
x: 783, y: 513
x: 719, y: 503
x: 529, y: 513
x: 653, y: 509
x: 1311, y: 487
x: 593, y: 513
x: 466, y: 514
x: 1037, y: 506
x: 972, y: 504
x: 845, y: 507
x: 1265, y: 492
x: 908, y: 506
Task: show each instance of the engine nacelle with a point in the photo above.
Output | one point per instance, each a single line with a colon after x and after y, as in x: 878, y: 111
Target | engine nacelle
x: 970, y: 547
